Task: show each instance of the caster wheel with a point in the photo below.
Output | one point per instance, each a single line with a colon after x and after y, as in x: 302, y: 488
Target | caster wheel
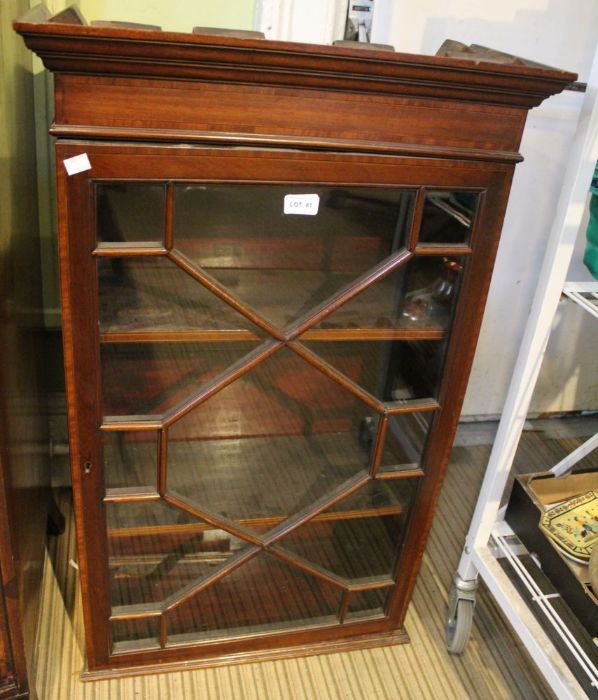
x: 459, y: 626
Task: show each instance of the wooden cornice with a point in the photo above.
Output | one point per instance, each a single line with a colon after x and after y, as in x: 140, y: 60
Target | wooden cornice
x: 126, y: 52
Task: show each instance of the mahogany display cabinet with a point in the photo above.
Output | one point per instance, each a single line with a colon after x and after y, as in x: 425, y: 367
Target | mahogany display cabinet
x: 274, y: 262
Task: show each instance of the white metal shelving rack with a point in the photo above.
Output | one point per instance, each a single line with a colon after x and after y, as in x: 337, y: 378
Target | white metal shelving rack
x: 488, y: 531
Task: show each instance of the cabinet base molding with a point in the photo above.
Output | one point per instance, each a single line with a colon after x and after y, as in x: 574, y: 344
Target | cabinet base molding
x: 370, y: 641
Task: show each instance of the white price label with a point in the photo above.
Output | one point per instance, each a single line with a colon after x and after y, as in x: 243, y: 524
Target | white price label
x: 77, y: 164
x: 303, y: 204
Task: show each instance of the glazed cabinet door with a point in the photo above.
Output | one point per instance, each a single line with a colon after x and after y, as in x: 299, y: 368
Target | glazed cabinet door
x: 266, y: 354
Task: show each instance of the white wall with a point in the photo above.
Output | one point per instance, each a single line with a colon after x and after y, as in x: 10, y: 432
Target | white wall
x: 174, y: 15
x: 561, y: 34
x: 308, y: 21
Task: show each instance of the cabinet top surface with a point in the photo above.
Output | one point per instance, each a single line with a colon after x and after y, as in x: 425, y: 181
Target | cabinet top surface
x: 152, y: 53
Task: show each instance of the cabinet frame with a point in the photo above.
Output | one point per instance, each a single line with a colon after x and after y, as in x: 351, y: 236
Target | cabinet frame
x: 120, y: 162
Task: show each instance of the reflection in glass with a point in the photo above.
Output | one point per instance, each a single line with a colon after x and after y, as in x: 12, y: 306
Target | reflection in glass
x: 147, y: 379
x: 355, y: 549
x: 130, y: 635
x: 433, y: 304
x: 358, y: 538
x: 390, y: 496
x: 284, y: 265
x: 262, y: 595
x: 130, y: 459
x: 155, y: 550
x: 367, y: 604
x: 389, y: 370
x: 419, y: 294
x: 271, y: 443
x: 448, y: 217
x: 153, y: 294
x: 405, y: 441
x: 130, y: 212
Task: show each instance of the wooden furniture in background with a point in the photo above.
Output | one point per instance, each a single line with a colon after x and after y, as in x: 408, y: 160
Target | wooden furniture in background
x: 24, y: 454
x: 262, y: 402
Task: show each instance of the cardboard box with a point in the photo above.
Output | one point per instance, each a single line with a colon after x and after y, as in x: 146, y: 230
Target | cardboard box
x: 532, y: 494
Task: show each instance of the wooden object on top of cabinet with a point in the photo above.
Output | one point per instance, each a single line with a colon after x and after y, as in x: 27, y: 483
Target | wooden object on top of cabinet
x: 262, y: 404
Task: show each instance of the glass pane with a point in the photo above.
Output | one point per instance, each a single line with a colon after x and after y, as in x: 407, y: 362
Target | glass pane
x: 283, y: 264
x: 354, y: 541
x: 367, y: 604
x: 147, y: 379
x: 377, y: 497
x: 270, y: 444
x: 130, y: 459
x: 448, y: 217
x: 262, y: 595
x: 130, y: 212
x: 155, y: 550
x: 131, y: 635
x: 389, y: 370
x: 420, y: 294
x: 405, y: 441
x: 154, y: 294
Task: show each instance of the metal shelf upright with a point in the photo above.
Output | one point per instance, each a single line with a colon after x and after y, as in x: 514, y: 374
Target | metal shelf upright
x: 488, y: 532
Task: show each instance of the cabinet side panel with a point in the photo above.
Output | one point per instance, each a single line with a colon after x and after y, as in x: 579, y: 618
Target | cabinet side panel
x: 466, y: 328
x: 76, y: 241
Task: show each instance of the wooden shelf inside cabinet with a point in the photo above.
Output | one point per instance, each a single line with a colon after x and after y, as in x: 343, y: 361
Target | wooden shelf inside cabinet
x: 185, y: 530
x: 273, y: 277
x: 233, y: 335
